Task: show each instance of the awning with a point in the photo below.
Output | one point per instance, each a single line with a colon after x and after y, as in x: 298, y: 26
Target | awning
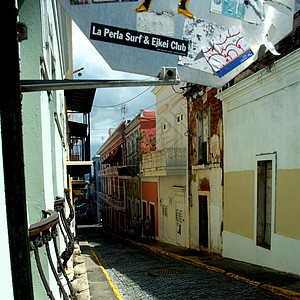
x: 116, y: 152
x: 77, y: 129
x: 80, y: 100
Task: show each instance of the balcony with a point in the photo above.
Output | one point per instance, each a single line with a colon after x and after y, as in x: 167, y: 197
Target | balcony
x: 113, y: 200
x: 168, y: 161
x: 101, y: 173
x: 125, y: 172
x: 111, y: 171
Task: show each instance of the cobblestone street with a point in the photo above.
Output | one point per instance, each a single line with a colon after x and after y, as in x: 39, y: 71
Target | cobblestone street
x: 138, y: 273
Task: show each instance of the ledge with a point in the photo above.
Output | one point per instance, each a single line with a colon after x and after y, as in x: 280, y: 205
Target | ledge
x: 265, y: 82
x: 206, y: 167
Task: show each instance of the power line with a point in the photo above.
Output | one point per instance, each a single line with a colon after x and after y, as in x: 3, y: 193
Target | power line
x: 118, y: 120
x: 129, y: 100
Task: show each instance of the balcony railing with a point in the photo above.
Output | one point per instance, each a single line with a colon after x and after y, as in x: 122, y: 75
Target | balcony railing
x: 112, y: 200
x: 164, y: 158
x: 42, y: 233
x: 111, y: 171
x: 65, y: 226
x: 130, y: 171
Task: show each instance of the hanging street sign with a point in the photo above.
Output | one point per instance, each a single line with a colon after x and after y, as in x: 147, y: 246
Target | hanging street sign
x: 138, y: 39
x: 209, y: 42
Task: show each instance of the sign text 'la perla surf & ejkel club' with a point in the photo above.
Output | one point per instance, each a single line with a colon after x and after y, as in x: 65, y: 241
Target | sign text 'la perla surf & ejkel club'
x: 138, y: 39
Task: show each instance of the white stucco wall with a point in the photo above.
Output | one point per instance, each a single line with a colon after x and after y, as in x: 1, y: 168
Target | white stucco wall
x: 169, y: 103
x: 172, y: 188
x: 262, y: 118
x: 172, y: 194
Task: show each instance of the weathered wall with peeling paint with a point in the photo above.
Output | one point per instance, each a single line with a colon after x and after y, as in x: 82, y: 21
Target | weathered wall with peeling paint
x: 204, y: 100
x: 208, y: 183
x: 206, y: 178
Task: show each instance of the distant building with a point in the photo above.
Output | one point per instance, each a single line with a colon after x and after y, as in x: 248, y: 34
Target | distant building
x: 140, y: 137
x: 118, y: 172
x: 97, y: 167
x: 112, y: 157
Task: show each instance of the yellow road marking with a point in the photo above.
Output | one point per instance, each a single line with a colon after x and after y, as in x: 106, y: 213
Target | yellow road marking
x: 274, y: 289
x: 281, y: 292
x: 117, y: 293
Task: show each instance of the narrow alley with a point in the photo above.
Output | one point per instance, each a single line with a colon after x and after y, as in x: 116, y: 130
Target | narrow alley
x: 138, y: 273
x: 150, y: 150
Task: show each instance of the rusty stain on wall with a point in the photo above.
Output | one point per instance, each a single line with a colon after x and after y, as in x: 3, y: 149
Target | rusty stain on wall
x: 203, y: 101
x: 205, y: 164
x: 204, y: 185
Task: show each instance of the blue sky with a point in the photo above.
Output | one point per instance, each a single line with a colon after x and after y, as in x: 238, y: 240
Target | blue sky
x: 95, y: 67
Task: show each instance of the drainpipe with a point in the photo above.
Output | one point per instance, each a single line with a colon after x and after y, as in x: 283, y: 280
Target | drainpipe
x: 190, y: 89
x: 188, y: 171
x: 13, y: 167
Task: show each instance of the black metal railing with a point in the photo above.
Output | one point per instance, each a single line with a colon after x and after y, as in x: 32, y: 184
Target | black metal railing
x: 64, y: 225
x: 45, y: 231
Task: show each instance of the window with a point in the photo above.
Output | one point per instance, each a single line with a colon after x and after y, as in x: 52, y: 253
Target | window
x: 121, y: 187
x: 144, y: 210
x: 265, y: 180
x: 179, y: 215
x: 132, y: 151
x: 128, y: 153
x: 179, y: 130
x: 179, y: 117
x: 164, y: 128
x: 203, y: 132
x: 165, y: 210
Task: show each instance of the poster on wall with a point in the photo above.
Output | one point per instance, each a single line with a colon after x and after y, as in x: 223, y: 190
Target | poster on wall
x: 226, y: 52
x: 142, y: 36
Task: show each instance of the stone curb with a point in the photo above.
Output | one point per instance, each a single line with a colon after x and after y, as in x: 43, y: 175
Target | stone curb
x: 274, y: 289
x: 80, y: 282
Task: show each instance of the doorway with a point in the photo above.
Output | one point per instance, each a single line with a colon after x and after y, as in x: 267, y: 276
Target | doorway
x: 152, y: 218
x: 144, y: 210
x: 203, y: 221
x: 264, y: 203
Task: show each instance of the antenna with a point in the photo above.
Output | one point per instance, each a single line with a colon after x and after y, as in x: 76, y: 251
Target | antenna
x: 123, y: 111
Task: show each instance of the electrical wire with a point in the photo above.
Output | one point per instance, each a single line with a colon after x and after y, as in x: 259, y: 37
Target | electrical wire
x: 176, y: 91
x: 112, y: 122
x: 129, y: 100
